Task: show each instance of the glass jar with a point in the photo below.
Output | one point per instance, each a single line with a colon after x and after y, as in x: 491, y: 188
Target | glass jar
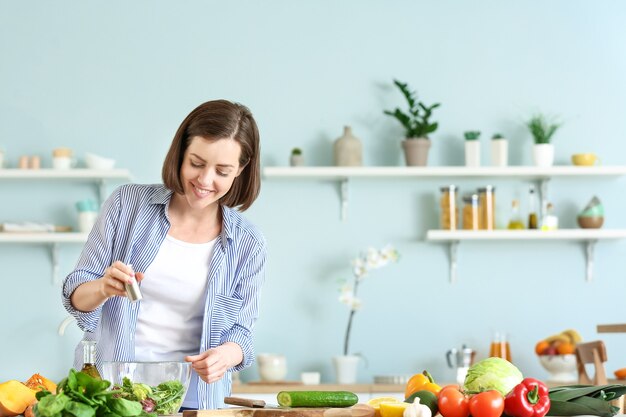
x: 449, y: 211
x: 487, y: 207
x: 470, y: 212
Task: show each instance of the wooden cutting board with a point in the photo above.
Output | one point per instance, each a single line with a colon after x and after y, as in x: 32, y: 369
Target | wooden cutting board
x: 359, y: 410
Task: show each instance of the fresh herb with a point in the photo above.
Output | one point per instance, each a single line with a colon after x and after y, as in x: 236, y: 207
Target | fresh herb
x: 165, y: 398
x: 541, y: 128
x: 80, y: 395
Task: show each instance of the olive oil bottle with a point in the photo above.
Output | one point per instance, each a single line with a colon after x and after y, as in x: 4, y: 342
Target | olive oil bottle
x: 89, y: 359
x: 515, y: 222
x: 532, y: 210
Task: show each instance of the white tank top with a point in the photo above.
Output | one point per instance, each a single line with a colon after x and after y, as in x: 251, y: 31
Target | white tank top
x: 169, y: 324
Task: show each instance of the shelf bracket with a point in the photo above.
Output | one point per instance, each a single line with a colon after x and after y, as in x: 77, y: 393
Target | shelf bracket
x: 343, y: 191
x: 543, y: 199
x: 453, y: 260
x: 54, y: 253
x: 101, y: 192
x: 590, y: 246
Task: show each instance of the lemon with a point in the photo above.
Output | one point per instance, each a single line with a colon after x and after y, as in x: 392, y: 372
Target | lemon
x: 375, y: 403
x: 393, y: 409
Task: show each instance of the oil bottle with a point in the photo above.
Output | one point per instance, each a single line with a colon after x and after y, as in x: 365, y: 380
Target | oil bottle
x: 515, y: 221
x: 532, y: 210
x: 89, y: 359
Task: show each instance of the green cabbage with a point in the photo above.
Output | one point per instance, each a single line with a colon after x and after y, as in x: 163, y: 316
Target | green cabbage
x: 492, y: 374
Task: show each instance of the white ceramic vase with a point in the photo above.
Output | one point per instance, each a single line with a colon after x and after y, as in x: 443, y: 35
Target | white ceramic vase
x: 499, y: 152
x: 472, y: 153
x: 416, y: 151
x: 348, y: 150
x: 543, y: 154
x: 346, y: 368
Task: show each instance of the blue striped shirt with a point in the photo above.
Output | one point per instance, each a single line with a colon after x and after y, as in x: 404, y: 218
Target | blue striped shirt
x: 131, y: 226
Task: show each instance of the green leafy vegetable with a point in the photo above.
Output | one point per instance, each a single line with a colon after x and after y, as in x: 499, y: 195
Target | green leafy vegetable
x: 572, y: 400
x: 492, y: 373
x: 80, y: 395
x: 165, y: 398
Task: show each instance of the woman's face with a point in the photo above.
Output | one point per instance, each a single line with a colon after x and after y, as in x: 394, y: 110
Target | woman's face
x: 208, y: 170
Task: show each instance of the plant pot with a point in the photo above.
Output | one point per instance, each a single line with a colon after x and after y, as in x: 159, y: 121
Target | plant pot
x: 348, y: 151
x: 543, y: 154
x: 416, y: 151
x: 346, y: 368
x: 296, y: 160
x: 499, y: 152
x: 472, y: 153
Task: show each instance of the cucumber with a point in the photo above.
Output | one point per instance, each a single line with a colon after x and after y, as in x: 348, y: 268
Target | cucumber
x: 317, y: 398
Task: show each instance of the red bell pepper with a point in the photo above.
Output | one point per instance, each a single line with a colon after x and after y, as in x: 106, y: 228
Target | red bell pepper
x: 527, y: 399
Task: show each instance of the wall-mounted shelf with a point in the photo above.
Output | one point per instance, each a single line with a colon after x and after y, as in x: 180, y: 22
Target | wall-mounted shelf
x: 588, y: 236
x: 54, y: 240
x: 51, y: 239
x: 344, y: 174
x: 98, y: 176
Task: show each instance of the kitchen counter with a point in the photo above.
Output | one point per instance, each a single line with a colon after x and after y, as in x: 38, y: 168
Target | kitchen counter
x: 272, y: 388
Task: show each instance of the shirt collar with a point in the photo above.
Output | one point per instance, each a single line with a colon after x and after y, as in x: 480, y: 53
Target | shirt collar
x: 162, y: 195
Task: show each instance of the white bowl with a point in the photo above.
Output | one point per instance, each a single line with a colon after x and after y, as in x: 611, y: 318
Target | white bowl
x: 149, y: 373
x: 562, y: 368
x: 94, y: 161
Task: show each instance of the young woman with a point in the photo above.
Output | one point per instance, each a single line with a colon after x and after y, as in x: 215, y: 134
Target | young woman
x: 199, y: 262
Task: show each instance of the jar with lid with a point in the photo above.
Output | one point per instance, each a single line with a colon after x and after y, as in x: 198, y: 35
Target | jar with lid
x: 470, y: 212
x: 449, y: 210
x: 487, y: 207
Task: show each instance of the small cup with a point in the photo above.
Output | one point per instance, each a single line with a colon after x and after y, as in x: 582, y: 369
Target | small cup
x: 34, y: 162
x: 23, y: 164
x: 310, y: 378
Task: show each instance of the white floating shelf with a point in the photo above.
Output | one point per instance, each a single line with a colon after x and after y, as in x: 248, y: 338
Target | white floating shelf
x: 69, y: 174
x: 588, y: 236
x: 563, y: 234
x: 43, y: 237
x: 529, y: 172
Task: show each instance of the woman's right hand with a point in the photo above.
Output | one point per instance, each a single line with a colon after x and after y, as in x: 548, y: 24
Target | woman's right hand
x: 114, y: 279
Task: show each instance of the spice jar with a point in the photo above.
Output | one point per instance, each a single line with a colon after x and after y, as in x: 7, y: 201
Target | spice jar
x: 449, y: 211
x: 487, y: 207
x: 470, y: 212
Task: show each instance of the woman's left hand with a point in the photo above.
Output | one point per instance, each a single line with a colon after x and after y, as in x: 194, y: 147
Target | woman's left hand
x: 212, y: 364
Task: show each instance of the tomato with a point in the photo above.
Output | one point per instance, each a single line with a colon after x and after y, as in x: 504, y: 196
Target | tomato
x: 453, y: 403
x: 487, y: 404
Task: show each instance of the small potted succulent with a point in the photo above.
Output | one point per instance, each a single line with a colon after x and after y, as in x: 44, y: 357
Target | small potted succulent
x: 296, y: 159
x: 417, y: 126
x: 499, y: 150
x: 472, y: 148
x: 542, y: 129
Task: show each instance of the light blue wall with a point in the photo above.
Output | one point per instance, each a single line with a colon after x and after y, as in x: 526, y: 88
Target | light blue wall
x: 116, y: 78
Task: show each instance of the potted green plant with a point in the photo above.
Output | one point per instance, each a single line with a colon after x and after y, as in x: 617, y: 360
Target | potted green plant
x: 296, y: 159
x: 472, y: 148
x: 417, y: 126
x: 542, y: 130
x: 499, y: 150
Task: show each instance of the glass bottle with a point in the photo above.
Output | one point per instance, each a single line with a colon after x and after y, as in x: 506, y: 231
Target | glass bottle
x: 470, y: 212
x: 487, y: 207
x: 549, y: 221
x: 89, y: 359
x: 532, y: 210
x: 515, y: 221
x: 449, y: 211
x: 500, y: 347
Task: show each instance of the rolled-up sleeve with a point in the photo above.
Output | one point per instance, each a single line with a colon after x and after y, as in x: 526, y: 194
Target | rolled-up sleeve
x: 252, y: 277
x: 93, y: 261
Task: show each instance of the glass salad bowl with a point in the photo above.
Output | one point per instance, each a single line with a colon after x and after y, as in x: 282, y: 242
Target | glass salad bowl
x: 159, y: 386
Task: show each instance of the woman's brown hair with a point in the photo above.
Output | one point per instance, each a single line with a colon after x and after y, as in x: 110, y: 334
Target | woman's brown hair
x: 214, y: 120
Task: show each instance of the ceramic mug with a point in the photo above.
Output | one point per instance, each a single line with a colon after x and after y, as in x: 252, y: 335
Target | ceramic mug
x: 585, y: 159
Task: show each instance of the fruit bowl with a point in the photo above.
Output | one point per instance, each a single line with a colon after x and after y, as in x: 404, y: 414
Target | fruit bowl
x: 562, y: 368
x: 165, y: 379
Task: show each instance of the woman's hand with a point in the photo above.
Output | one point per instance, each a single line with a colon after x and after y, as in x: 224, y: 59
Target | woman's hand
x: 114, y: 279
x: 212, y: 364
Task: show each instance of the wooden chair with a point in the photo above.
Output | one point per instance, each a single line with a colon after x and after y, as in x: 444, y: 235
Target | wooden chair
x: 591, y: 353
x: 594, y: 353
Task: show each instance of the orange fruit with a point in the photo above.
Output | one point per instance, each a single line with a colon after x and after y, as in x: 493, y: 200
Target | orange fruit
x: 541, y: 347
x: 565, y: 348
x: 620, y: 373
